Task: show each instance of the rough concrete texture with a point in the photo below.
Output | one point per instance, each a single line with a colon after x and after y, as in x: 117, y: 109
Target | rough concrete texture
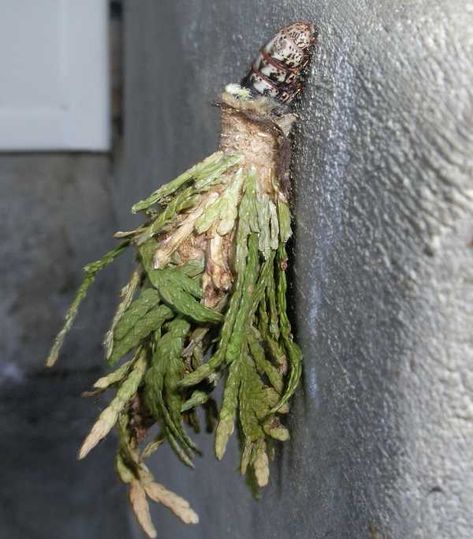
x: 382, y: 281
x: 382, y: 286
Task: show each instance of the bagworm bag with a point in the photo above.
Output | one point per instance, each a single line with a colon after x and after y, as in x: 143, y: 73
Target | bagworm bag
x: 206, y: 302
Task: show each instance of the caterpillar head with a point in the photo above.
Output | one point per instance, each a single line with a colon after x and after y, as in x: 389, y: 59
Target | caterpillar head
x: 279, y: 68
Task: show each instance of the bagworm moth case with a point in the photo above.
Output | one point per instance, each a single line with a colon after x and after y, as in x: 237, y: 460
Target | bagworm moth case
x: 206, y: 302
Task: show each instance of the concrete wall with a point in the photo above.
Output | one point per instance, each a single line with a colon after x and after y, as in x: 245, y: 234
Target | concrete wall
x: 382, y: 286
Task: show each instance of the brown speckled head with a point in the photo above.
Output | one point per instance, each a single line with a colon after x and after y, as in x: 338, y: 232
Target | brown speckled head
x: 278, y: 69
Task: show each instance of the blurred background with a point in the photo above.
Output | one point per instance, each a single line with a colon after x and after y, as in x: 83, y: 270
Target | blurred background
x: 100, y: 102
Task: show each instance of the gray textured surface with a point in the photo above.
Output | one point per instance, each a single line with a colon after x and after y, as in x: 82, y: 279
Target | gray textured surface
x: 382, y: 427
x: 55, y: 215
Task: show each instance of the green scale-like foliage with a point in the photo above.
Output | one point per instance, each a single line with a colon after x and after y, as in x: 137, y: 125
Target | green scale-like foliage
x: 180, y: 349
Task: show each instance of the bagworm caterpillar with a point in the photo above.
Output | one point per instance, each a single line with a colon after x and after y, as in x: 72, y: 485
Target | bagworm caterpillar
x: 206, y: 302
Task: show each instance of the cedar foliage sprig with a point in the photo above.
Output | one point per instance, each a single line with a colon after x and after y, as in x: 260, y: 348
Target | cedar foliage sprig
x: 206, y: 303
x: 182, y: 342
